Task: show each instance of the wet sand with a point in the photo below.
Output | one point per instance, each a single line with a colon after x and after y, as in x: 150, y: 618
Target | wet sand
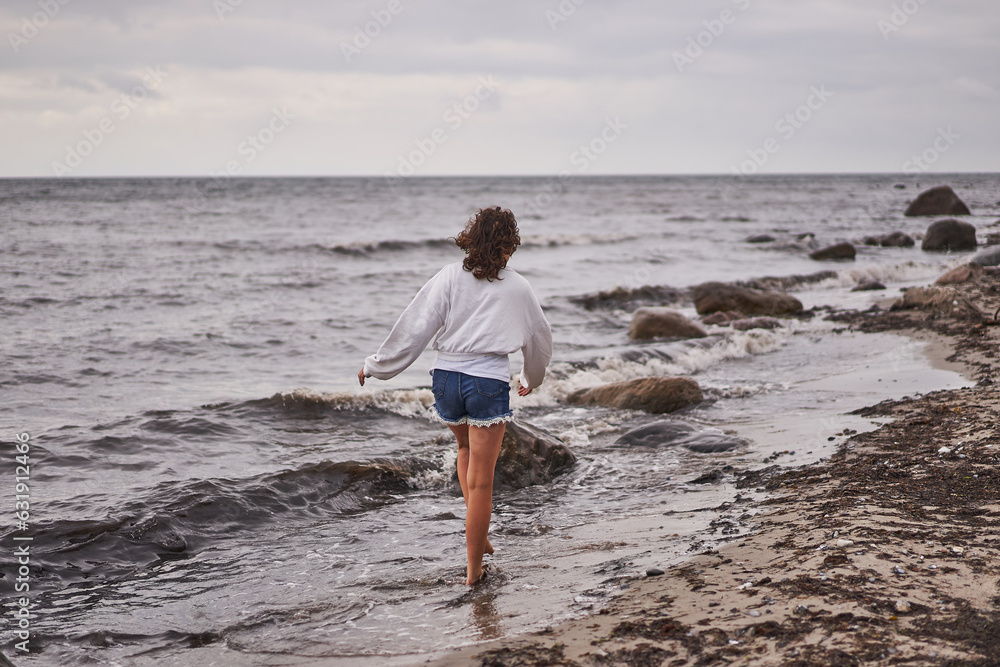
x: 884, y: 553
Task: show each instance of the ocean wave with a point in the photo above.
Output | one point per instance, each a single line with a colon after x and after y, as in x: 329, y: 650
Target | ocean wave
x: 680, y: 358
x: 362, y: 249
x: 178, y: 519
x: 402, y: 402
x: 555, y: 240
x: 901, y: 272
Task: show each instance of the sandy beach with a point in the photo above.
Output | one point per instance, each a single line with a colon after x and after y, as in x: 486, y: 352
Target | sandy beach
x: 883, y: 553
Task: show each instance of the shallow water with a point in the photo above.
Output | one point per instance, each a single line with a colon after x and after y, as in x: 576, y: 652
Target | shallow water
x: 209, y: 483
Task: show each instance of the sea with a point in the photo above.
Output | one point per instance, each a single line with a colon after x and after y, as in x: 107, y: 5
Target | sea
x: 192, y: 474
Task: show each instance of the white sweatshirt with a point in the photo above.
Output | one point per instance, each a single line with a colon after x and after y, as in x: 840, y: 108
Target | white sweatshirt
x: 468, y: 318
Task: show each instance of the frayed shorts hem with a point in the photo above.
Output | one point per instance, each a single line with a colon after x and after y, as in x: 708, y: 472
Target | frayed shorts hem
x: 482, y: 423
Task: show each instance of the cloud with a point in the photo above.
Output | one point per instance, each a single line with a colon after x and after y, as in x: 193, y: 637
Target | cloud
x: 559, y: 84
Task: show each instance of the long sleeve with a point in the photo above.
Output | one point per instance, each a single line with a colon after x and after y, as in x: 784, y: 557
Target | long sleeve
x: 414, y: 329
x: 538, y: 350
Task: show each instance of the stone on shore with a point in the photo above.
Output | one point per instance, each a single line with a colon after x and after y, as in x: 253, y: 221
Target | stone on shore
x: 712, y: 297
x: 843, y: 250
x: 941, y: 200
x: 989, y: 257
x: 962, y: 274
x: 530, y: 455
x: 665, y: 433
x: 943, y: 300
x: 651, y: 394
x: 949, y: 234
x: 662, y: 323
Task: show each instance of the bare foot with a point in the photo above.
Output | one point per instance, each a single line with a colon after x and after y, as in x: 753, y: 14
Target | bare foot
x: 472, y: 580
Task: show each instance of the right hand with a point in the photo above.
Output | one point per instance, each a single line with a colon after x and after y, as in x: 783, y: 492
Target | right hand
x: 361, y: 376
x: 522, y: 390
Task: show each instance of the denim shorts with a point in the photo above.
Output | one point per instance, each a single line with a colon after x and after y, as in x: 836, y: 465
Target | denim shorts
x: 469, y: 399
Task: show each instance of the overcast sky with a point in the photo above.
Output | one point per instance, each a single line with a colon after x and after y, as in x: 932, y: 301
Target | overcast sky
x: 195, y: 87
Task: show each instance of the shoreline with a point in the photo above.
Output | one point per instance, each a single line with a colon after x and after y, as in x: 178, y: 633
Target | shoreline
x: 883, y: 552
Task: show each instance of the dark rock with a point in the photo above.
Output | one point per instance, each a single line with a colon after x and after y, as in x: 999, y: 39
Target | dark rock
x: 662, y: 323
x: 897, y: 240
x: 756, y: 323
x: 843, y: 250
x: 714, y: 296
x: 900, y: 186
x: 993, y: 239
x: 708, y: 478
x: 652, y: 394
x: 761, y: 238
x: 868, y: 286
x: 961, y: 274
x: 530, y: 455
x: 677, y: 433
x: 872, y: 240
x: 949, y: 235
x: 654, y: 572
x: 941, y: 200
x: 723, y: 317
x: 804, y: 236
x: 620, y: 297
x: 988, y: 257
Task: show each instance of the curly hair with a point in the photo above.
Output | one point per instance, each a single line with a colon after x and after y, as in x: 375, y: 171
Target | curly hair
x: 489, y: 235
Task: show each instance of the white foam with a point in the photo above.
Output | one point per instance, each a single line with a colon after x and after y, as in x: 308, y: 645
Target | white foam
x: 903, y: 272
x: 564, y: 379
x: 403, y: 402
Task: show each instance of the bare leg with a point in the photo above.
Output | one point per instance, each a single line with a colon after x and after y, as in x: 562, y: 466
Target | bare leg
x: 462, y: 436
x: 484, y: 449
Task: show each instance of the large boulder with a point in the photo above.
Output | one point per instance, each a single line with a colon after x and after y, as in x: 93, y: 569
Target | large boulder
x: 713, y: 297
x: 988, y: 257
x: 941, y: 200
x: 950, y: 235
x: 662, y: 323
x: 675, y: 433
x: 652, y: 394
x: 945, y: 301
x: 530, y: 455
x: 842, y: 250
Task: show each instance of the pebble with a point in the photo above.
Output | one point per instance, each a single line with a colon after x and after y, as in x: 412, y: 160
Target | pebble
x: 902, y: 606
x: 654, y: 572
x: 898, y: 570
x: 844, y: 543
x: 944, y: 450
x: 957, y: 550
x: 754, y: 613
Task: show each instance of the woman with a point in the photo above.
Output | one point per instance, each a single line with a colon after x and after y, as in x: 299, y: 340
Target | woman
x: 477, y: 312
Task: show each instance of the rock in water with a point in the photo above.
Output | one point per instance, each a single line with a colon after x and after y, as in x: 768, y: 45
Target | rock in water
x: 530, y: 455
x: 896, y: 240
x: 990, y: 257
x: 836, y: 251
x: 653, y: 394
x: 761, y: 238
x: 662, y: 322
x: 949, y: 235
x: 677, y: 433
x: 941, y: 200
x: 868, y: 286
x: 964, y: 273
x: 713, y: 296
